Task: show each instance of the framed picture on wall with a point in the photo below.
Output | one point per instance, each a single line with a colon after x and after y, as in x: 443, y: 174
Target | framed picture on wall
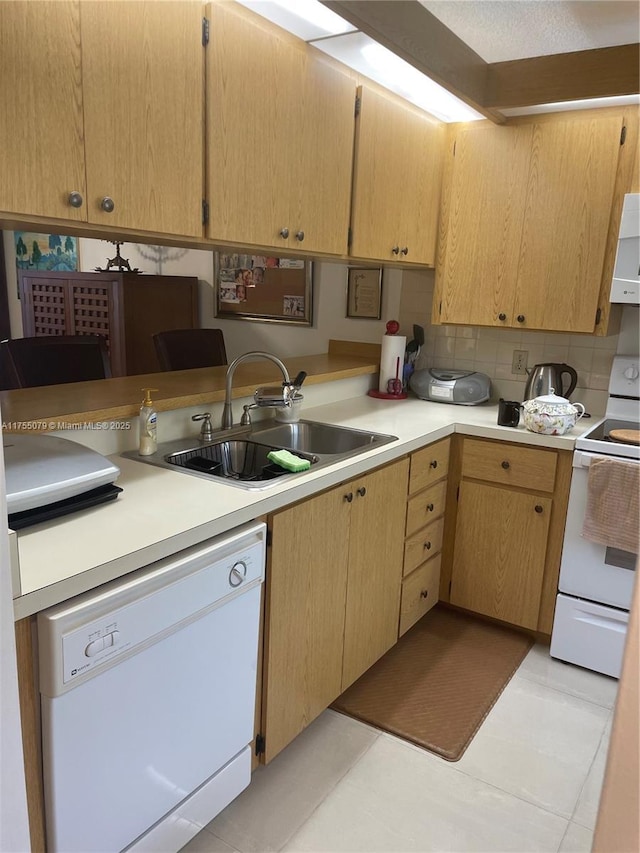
x: 264, y: 289
x: 364, y: 293
x: 50, y: 252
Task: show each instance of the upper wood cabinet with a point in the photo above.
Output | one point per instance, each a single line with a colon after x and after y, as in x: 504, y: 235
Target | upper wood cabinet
x: 110, y: 90
x: 280, y: 125
x: 397, y: 181
x: 142, y: 87
x: 526, y: 223
x: 41, y: 125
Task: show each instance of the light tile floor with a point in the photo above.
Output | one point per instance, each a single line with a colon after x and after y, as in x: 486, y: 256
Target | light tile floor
x: 530, y: 780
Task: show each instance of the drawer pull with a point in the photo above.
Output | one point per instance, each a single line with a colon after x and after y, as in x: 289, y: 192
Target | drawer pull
x: 429, y: 507
x: 502, y: 316
x: 427, y: 545
x: 362, y: 491
x: 433, y: 463
x: 348, y: 497
x: 538, y: 508
x: 424, y: 593
x: 284, y: 233
x: 506, y: 465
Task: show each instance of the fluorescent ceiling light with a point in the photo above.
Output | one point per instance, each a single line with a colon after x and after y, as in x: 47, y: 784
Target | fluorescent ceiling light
x: 374, y: 61
x: 563, y: 106
x: 306, y: 19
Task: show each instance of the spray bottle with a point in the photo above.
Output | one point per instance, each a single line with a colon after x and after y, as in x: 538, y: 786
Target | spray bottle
x: 148, y: 420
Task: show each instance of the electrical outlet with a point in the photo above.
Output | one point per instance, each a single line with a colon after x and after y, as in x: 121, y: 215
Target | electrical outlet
x: 519, y: 363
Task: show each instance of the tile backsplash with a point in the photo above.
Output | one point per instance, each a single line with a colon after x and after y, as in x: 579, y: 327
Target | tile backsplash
x: 490, y: 351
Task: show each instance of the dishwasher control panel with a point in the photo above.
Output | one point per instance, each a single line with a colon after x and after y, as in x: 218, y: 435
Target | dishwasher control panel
x: 124, y: 616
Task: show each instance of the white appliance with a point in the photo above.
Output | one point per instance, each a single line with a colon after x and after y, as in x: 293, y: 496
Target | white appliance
x: 148, y: 696
x: 625, y: 287
x: 596, y: 582
x: 463, y: 387
x: 47, y: 477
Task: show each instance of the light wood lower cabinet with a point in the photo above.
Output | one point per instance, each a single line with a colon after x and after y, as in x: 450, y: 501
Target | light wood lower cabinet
x: 508, y: 535
x: 424, y: 532
x: 333, y: 595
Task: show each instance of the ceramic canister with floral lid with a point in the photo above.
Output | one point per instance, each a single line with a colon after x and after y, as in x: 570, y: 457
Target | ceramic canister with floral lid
x: 551, y: 415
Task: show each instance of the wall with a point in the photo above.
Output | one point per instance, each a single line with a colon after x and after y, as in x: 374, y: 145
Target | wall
x: 490, y: 351
x: 240, y: 335
x: 14, y: 828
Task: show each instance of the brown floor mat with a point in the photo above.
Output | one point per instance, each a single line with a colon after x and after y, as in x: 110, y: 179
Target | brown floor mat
x: 438, y: 683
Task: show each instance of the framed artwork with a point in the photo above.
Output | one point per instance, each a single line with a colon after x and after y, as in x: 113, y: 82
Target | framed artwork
x: 364, y: 293
x: 262, y: 288
x: 50, y: 252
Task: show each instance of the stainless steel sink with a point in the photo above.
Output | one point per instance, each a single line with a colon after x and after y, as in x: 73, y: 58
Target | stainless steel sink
x: 239, y: 456
x: 244, y: 461
x: 323, y: 439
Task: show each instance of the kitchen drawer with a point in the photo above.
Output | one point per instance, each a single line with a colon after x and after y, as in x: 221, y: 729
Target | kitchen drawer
x: 426, y: 506
x: 423, y: 545
x: 419, y: 593
x: 510, y: 465
x: 429, y: 465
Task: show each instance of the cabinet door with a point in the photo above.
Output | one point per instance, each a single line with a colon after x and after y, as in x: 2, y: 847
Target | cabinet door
x: 41, y: 127
x: 486, y: 206
x: 500, y: 550
x: 375, y: 567
x: 321, y: 191
x: 143, y: 94
x: 421, y: 180
x: 306, y: 593
x: 254, y: 128
x: 397, y: 181
x: 569, y: 197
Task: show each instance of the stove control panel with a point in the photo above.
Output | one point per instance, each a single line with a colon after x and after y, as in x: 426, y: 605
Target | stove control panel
x: 625, y: 377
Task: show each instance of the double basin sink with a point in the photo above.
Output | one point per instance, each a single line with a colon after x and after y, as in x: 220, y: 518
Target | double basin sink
x: 239, y: 457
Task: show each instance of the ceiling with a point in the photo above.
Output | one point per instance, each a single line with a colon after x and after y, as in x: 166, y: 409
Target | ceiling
x: 503, y: 57
x: 501, y: 30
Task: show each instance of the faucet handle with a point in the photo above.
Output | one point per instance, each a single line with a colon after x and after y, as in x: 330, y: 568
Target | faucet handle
x: 206, y: 431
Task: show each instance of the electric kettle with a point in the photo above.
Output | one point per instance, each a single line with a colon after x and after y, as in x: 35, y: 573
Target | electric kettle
x: 547, y: 379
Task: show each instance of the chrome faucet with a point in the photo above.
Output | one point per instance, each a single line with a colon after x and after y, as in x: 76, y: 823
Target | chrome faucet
x: 227, y: 414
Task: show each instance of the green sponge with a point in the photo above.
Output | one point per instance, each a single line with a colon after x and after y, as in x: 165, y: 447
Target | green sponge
x: 288, y: 460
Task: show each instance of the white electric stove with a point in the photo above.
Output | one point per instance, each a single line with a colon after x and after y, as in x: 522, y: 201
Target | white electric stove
x: 596, y: 581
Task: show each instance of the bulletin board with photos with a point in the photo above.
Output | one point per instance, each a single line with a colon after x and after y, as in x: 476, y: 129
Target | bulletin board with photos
x: 263, y: 288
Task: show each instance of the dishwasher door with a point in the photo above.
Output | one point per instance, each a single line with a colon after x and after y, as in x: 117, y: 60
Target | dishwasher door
x: 148, y: 695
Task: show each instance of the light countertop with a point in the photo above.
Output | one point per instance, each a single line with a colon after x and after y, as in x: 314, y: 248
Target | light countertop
x: 161, y: 512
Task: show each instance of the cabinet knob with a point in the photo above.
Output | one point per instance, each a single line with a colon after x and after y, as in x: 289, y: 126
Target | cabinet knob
x: 107, y: 204
x: 75, y: 199
x: 538, y: 508
x: 502, y: 316
x: 404, y: 251
x: 300, y: 236
x: 433, y: 463
x: 506, y: 465
x: 429, y: 507
x: 396, y: 250
x: 362, y: 491
x: 520, y: 318
x: 348, y: 497
x: 427, y: 545
x: 284, y: 233
x: 424, y: 593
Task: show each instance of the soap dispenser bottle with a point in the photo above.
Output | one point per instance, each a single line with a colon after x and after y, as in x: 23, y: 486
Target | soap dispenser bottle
x: 148, y: 424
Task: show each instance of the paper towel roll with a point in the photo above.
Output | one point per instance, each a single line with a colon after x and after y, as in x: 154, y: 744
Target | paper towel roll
x: 393, y: 347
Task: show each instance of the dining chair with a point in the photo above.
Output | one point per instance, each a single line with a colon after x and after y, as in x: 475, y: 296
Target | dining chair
x: 183, y: 349
x: 58, y: 359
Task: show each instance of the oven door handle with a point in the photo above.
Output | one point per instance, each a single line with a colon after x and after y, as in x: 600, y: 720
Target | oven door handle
x: 581, y: 459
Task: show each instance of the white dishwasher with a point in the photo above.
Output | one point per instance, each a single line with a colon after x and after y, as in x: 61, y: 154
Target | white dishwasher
x: 148, y: 693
